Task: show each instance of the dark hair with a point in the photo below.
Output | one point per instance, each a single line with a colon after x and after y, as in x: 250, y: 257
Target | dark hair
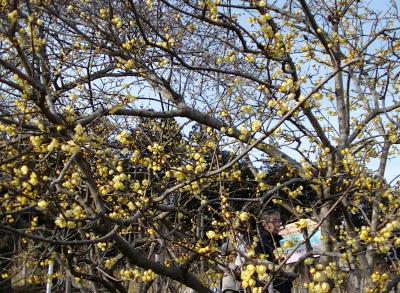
x: 269, y: 212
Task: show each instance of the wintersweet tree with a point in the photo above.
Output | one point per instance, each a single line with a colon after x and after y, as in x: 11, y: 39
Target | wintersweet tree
x: 126, y: 127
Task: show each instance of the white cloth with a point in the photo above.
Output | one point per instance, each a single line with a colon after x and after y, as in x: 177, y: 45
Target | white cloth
x: 229, y: 281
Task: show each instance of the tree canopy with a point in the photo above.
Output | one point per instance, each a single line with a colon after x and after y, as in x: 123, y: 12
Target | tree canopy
x: 138, y: 136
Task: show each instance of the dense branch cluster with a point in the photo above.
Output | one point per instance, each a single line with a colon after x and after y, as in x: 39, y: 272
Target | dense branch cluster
x: 136, y: 137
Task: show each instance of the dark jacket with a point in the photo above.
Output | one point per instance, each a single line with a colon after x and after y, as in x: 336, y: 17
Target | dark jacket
x: 267, y: 244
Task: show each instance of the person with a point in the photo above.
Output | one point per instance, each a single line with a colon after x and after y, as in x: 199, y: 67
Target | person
x: 230, y: 282
x: 269, y: 240
x: 234, y: 250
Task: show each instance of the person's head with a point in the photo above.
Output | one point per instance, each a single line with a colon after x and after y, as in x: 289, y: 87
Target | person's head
x: 272, y: 221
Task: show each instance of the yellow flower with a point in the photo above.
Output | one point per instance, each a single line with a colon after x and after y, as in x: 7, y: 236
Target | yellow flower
x: 243, y: 216
x: 24, y: 170
x: 42, y: 204
x: 256, y: 125
x: 261, y: 269
x: 302, y: 224
x: 245, y: 275
x: 264, y: 18
x: 308, y: 261
x: 211, y: 234
x: 34, y: 179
